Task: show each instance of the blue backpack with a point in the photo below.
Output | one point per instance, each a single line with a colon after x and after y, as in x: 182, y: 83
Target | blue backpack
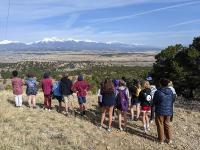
x: 122, y: 102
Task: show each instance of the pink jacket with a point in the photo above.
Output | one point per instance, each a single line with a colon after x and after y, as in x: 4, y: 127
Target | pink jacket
x: 17, y: 86
x: 81, y: 87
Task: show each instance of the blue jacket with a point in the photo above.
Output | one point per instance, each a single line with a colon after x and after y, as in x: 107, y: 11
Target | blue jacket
x: 163, y: 101
x: 56, y: 89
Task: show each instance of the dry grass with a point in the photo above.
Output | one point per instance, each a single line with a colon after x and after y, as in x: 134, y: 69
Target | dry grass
x: 38, y: 129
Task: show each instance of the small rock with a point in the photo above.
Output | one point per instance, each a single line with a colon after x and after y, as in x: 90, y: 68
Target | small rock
x: 108, y: 148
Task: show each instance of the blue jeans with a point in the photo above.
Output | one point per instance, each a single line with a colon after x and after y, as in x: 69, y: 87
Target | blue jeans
x: 81, y: 100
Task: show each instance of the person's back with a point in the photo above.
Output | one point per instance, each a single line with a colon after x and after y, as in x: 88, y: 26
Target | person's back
x: 145, y: 97
x: 47, y: 86
x: 163, y: 101
x: 81, y: 87
x: 122, y: 98
x: 17, y: 85
x: 65, y: 86
x: 17, y: 88
x: 56, y: 89
x: 31, y: 86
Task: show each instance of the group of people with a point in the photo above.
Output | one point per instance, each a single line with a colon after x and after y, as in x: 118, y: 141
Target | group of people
x: 149, y: 101
x: 62, y: 90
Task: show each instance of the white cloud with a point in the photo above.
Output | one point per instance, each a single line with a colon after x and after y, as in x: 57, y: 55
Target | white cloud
x: 26, y: 10
x: 185, y: 23
x: 105, y: 20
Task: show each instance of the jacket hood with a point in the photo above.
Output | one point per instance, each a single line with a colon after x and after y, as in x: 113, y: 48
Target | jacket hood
x: 165, y: 90
x: 122, y: 87
x: 64, y: 79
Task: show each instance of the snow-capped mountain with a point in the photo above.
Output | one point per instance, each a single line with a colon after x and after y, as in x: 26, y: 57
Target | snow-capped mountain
x: 56, y: 44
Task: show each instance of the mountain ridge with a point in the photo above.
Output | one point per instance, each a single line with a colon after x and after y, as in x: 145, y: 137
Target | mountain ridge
x: 55, y: 44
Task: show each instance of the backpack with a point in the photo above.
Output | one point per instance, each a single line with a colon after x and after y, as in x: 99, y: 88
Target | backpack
x: 122, y: 100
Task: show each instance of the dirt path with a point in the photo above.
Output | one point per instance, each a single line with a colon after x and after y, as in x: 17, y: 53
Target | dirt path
x: 39, y: 129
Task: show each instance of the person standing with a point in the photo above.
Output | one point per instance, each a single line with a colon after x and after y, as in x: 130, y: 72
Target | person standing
x: 108, y: 102
x: 122, y: 103
x: 47, y: 90
x: 31, y: 90
x: 163, y: 102
x: 17, y: 85
x: 134, y: 91
x: 66, y: 92
x: 146, y: 99
x: 57, y: 94
x: 153, y: 90
x: 81, y: 87
x: 170, y: 85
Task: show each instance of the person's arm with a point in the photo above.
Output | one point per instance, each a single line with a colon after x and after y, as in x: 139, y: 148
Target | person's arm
x: 74, y: 87
x: 127, y: 92
x: 155, y: 98
x: 88, y: 87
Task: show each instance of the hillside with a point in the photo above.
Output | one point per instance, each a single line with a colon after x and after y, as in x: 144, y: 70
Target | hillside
x: 39, y: 129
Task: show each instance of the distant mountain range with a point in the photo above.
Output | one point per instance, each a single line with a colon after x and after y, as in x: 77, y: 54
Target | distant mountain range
x: 55, y: 44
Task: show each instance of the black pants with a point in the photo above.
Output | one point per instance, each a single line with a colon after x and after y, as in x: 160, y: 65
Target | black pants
x: 152, y: 113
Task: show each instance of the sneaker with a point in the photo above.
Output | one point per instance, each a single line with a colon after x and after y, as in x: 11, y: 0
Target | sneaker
x: 136, y: 119
x: 100, y: 127
x: 145, y: 129
x: 169, y: 142
x: 148, y: 128
x: 49, y: 109
x: 109, y: 130
x: 113, y: 118
x: 121, y: 129
x: 161, y: 143
x: 151, y: 121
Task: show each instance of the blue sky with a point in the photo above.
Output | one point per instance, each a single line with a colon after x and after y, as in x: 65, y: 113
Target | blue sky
x: 149, y: 22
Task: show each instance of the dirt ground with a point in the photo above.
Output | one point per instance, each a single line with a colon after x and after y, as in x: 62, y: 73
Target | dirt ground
x: 37, y: 129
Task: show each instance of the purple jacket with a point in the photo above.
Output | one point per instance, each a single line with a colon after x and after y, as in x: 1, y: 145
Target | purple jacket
x: 17, y: 86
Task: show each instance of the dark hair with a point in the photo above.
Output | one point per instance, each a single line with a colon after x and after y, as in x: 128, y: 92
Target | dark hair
x: 65, y: 75
x: 122, y: 83
x: 80, y: 78
x: 164, y: 82
x: 15, y: 73
x: 46, y: 75
x: 30, y: 75
x: 108, y: 85
x: 124, y: 78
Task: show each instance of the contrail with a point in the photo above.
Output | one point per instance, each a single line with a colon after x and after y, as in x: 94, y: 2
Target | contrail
x: 185, y: 23
x: 105, y: 20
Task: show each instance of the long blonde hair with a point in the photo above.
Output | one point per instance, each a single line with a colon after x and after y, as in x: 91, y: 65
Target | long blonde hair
x: 145, y: 84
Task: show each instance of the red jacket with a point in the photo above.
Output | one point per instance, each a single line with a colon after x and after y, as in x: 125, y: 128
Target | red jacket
x: 81, y: 87
x: 47, y: 86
